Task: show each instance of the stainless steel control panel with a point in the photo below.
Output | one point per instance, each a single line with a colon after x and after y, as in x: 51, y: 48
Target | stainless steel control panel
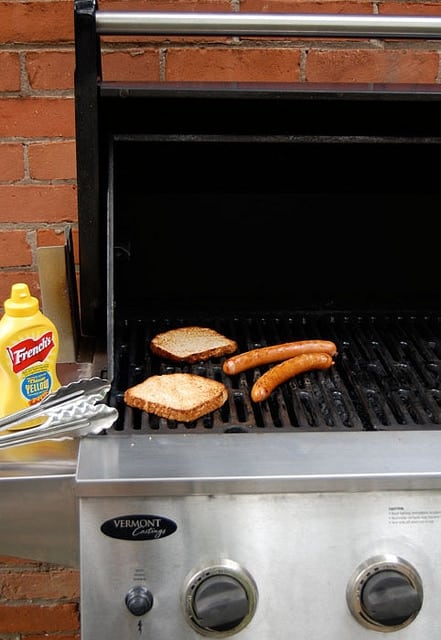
x: 339, y: 565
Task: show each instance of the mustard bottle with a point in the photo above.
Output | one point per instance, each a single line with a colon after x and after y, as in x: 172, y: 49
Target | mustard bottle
x: 29, y: 347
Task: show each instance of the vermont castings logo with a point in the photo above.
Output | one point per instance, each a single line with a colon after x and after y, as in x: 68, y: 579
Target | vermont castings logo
x: 139, y: 527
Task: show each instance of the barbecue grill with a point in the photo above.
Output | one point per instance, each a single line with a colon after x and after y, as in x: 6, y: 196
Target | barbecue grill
x: 267, y: 212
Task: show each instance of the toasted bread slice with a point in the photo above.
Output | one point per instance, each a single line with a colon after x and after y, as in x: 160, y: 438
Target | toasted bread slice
x: 177, y: 396
x: 192, y: 344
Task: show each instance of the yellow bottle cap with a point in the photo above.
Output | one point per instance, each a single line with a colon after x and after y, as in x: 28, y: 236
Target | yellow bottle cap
x: 21, y: 303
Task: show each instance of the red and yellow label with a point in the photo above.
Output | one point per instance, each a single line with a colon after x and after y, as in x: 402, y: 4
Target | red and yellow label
x: 27, y: 352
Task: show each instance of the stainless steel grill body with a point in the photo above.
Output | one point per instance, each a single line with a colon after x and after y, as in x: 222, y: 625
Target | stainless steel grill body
x: 314, y: 514
x: 292, y: 518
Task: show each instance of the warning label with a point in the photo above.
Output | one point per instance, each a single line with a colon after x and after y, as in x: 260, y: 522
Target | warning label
x: 401, y: 515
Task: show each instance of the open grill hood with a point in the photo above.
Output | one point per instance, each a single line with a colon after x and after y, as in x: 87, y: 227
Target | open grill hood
x: 271, y: 212
x: 286, y: 225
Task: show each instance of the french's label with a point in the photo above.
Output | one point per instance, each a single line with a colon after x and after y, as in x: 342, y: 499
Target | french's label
x: 138, y: 527
x: 29, y: 351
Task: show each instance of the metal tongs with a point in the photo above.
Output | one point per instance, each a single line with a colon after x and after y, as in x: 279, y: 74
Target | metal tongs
x: 73, y: 410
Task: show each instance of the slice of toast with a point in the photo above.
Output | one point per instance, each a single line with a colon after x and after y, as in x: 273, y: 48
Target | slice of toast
x: 177, y: 396
x: 192, y: 344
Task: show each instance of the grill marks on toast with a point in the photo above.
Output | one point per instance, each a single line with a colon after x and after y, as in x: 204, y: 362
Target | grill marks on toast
x: 183, y: 396
x: 177, y: 396
x: 192, y: 344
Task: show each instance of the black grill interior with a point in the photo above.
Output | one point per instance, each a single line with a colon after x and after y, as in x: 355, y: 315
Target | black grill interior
x: 271, y: 213
x: 386, y: 374
x: 268, y: 224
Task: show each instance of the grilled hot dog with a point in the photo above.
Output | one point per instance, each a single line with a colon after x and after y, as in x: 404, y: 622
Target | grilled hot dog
x: 265, y: 385
x: 275, y: 353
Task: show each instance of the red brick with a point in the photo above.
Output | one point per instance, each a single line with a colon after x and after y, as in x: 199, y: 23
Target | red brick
x: 410, y: 8
x: 165, y: 5
x: 37, y: 117
x: 12, y: 560
x: 48, y: 585
x: 38, y: 203
x: 303, y: 6
x: 14, y: 249
x: 10, y: 71
x: 7, y: 279
x: 52, y: 160
x: 44, y: 636
x: 50, y: 69
x: 363, y: 65
x: 133, y: 65
x: 36, y: 21
x: 50, y: 237
x: 36, y: 617
x: 55, y: 237
x: 11, y: 162
x: 225, y: 65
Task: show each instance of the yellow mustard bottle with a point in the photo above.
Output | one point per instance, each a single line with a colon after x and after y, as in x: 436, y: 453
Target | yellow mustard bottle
x: 29, y: 347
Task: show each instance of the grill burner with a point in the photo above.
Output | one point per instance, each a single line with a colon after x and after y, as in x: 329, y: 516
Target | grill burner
x: 386, y: 375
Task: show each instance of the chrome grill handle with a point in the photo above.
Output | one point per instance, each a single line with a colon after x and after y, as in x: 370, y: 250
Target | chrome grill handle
x: 267, y: 24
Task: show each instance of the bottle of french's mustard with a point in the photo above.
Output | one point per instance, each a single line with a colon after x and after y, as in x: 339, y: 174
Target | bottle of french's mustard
x: 29, y: 347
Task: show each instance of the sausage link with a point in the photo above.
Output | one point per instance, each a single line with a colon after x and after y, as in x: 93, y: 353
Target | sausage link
x: 275, y: 353
x: 265, y: 385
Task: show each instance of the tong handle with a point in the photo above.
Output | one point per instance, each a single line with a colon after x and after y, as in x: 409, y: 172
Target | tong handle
x: 102, y: 418
x: 91, y: 389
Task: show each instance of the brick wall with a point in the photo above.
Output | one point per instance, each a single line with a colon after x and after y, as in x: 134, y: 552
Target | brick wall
x: 38, y: 601
x: 37, y: 132
x: 37, y: 162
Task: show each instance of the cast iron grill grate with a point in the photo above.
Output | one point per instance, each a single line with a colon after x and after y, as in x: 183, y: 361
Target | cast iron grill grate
x: 386, y: 374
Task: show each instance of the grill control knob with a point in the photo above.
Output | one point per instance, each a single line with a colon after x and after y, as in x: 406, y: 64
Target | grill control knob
x: 220, y: 603
x: 139, y: 600
x: 220, y: 599
x: 389, y: 598
x: 385, y: 593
